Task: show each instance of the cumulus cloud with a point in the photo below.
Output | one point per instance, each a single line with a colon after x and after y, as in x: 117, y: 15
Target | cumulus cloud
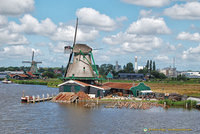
x: 162, y: 58
x: 193, y: 53
x: 148, y: 3
x: 188, y: 36
x: 188, y: 10
x: 3, y: 21
x: 8, y: 37
x: 134, y: 43
x: 91, y: 17
x: 145, y: 13
x: 18, y: 51
x: 16, y: 7
x: 31, y: 25
x: 60, y: 32
x: 149, y: 26
x: 58, y: 48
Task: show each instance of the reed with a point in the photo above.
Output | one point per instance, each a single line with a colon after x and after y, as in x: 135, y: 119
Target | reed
x: 178, y: 103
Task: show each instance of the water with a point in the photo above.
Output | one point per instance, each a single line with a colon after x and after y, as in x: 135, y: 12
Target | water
x: 55, y: 118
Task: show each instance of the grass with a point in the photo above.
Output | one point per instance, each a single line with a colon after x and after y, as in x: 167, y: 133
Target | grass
x: 189, y: 88
x: 178, y: 103
x: 48, y: 82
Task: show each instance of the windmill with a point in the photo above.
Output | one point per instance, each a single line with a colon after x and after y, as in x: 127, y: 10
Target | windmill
x: 33, y: 69
x: 82, y: 66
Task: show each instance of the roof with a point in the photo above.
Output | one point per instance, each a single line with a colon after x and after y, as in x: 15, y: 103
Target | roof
x: 22, y: 75
x: 75, y: 82
x: 11, y: 75
x: 118, y: 85
x: 141, y: 86
x: 84, y: 84
x: 132, y: 74
x: 83, y: 47
x: 32, y: 75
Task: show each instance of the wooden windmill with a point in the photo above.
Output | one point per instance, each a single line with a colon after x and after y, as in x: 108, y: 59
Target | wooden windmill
x: 82, y: 66
x: 33, y: 69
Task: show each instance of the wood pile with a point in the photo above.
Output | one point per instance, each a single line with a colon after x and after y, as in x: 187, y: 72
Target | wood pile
x: 82, y: 96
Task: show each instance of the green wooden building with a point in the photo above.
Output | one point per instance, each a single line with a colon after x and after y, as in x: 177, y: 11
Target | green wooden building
x: 140, y: 87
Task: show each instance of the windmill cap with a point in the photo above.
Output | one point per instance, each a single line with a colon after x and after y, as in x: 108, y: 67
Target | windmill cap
x: 83, y: 47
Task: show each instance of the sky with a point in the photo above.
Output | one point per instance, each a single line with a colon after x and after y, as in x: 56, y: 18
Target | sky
x: 157, y: 30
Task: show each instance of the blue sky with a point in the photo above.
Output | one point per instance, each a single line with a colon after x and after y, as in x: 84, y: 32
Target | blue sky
x: 150, y: 29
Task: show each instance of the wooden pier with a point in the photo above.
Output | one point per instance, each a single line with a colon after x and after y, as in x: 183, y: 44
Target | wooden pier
x: 33, y: 99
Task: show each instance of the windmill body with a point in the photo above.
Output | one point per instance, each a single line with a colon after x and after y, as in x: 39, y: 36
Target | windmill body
x: 82, y: 63
x: 33, y: 63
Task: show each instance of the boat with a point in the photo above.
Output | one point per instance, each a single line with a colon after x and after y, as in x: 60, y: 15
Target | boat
x: 25, y: 99
x: 5, y: 81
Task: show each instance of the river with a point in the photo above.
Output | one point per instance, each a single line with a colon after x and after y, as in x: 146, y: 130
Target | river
x: 55, y: 118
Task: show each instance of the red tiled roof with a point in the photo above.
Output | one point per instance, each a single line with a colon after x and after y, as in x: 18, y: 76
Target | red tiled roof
x: 32, y: 75
x: 12, y: 75
x: 82, y: 83
x: 22, y: 75
x: 119, y: 85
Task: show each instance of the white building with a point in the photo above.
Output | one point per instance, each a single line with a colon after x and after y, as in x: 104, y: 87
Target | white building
x: 169, y: 72
x: 191, y: 74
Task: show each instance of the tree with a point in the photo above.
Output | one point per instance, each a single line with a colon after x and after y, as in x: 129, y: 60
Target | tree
x: 154, y: 66
x: 150, y: 66
x: 48, y: 74
x: 129, y: 68
x: 147, y: 66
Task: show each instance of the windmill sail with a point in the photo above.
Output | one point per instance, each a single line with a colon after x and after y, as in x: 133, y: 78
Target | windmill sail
x: 74, y: 43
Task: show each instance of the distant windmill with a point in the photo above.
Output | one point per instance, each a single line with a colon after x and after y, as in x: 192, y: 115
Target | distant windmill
x: 33, y: 64
x: 83, y: 65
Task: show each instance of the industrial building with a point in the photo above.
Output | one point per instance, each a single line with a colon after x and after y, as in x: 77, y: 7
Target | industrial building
x: 191, y: 74
x: 169, y: 71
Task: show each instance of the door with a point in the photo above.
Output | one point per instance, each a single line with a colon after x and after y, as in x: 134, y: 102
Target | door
x: 67, y: 88
x: 98, y: 93
x: 77, y: 88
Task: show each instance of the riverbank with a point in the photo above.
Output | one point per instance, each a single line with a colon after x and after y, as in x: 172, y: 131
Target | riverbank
x: 48, y: 82
x: 191, y: 88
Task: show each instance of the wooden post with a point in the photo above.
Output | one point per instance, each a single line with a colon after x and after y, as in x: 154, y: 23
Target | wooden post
x: 28, y: 99
x: 43, y: 97
x: 33, y: 99
x: 164, y: 104
x: 38, y: 98
x: 97, y: 101
x: 47, y: 96
x: 186, y: 105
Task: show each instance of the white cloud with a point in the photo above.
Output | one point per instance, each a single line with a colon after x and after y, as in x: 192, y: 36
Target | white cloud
x: 162, y: 58
x: 18, y: 51
x: 66, y: 33
x: 58, y: 48
x: 8, y: 37
x: 149, y: 26
x: 91, y: 17
x: 31, y: 25
x: 188, y: 10
x: 193, y: 53
x: 60, y: 32
x: 145, y: 13
x: 134, y: 43
x: 3, y: 21
x: 16, y: 7
x: 148, y: 3
x: 188, y: 36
